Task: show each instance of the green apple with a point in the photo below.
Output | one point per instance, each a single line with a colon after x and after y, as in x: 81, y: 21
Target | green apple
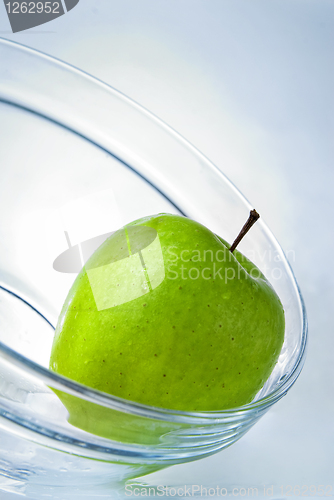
x: 164, y: 314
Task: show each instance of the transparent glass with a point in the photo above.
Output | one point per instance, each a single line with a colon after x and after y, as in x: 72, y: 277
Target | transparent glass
x: 68, y: 140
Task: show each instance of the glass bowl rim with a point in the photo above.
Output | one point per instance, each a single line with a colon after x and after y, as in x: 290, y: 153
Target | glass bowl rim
x: 84, y: 392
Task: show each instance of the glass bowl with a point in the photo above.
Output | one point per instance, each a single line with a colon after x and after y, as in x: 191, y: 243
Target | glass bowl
x: 79, y: 160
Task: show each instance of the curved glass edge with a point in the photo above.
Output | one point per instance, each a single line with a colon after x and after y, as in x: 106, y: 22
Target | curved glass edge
x: 144, y: 111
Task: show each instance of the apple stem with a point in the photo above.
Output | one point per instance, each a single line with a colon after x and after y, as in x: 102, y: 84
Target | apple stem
x: 253, y: 217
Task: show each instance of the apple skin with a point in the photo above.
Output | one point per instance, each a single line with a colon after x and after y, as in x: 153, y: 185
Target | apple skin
x: 187, y: 344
